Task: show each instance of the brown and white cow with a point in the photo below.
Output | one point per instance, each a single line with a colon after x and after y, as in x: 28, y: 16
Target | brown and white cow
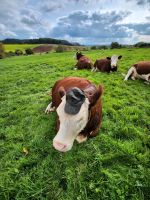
x: 79, y: 111
x: 108, y: 64
x: 83, y: 62
x: 139, y: 70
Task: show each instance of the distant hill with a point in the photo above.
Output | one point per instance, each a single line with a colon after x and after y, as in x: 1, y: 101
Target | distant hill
x: 38, y: 41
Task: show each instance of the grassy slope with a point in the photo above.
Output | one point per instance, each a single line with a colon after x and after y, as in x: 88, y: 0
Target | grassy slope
x: 13, y: 47
x: 114, y: 165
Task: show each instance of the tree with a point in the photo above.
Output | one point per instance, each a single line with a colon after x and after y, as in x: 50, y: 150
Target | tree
x: 2, y: 51
x: 28, y: 51
x: 102, y: 47
x: 93, y: 47
x: 18, y: 52
x: 115, y: 45
x: 142, y: 44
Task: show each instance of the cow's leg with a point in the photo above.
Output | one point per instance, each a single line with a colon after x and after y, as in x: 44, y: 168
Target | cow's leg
x: 81, y: 138
x: 75, y: 68
x: 130, y: 72
x: 147, y: 83
x: 133, y: 78
x: 145, y: 77
x: 50, y: 108
x: 93, y: 69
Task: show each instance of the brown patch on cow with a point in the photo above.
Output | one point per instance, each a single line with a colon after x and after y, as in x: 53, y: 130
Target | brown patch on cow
x: 103, y: 65
x: 142, y: 67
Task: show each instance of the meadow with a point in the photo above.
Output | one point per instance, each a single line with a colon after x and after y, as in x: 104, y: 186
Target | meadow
x: 115, y: 165
x: 13, y: 47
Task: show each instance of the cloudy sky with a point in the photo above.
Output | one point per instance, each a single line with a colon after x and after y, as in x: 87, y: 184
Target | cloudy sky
x: 83, y: 21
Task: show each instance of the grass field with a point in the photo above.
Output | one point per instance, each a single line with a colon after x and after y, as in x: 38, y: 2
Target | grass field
x: 115, y: 165
x: 13, y: 47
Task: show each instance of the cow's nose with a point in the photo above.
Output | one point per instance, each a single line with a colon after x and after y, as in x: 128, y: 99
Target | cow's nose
x: 59, y: 146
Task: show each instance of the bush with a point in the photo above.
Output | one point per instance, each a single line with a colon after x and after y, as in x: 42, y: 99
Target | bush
x: 2, y: 51
x: 18, y: 52
x: 10, y: 53
x: 102, y: 47
x: 29, y: 51
x: 60, y: 49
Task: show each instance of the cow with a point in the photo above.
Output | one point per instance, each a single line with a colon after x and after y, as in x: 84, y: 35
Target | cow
x: 139, y: 70
x: 83, y: 62
x: 79, y: 111
x: 108, y: 64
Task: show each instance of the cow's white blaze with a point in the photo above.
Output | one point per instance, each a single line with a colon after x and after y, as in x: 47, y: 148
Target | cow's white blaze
x: 70, y: 125
x: 114, y: 60
x: 75, y: 56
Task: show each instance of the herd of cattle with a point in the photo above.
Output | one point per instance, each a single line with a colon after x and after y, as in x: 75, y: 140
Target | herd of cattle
x: 78, y: 102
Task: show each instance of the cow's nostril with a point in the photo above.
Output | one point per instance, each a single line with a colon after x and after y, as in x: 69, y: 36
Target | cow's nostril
x: 58, y: 145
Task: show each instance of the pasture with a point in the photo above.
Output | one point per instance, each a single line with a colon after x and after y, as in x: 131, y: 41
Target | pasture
x: 115, y: 165
x: 13, y: 47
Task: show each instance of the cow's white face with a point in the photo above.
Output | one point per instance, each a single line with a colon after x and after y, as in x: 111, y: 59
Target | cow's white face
x: 70, y: 125
x: 114, y: 60
x: 75, y: 56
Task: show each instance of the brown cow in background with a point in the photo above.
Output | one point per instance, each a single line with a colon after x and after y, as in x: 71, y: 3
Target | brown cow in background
x: 139, y: 70
x: 79, y: 111
x: 83, y: 62
x: 108, y: 64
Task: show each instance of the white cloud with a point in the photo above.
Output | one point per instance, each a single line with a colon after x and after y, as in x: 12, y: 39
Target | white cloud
x: 5, y: 32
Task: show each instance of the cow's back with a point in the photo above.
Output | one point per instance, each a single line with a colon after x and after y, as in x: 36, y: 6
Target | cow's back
x: 142, y: 67
x: 84, y: 63
x: 66, y: 84
x: 103, y: 65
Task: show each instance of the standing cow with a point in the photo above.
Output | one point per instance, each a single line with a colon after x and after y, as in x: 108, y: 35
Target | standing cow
x: 139, y: 70
x: 79, y: 111
x: 108, y: 64
x: 83, y: 62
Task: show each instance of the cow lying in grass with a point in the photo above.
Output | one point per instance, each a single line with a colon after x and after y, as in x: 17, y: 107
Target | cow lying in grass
x: 108, y: 64
x: 139, y: 70
x: 83, y: 62
x: 79, y: 111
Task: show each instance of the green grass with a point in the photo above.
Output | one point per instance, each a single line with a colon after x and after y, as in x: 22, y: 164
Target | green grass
x: 115, y: 165
x: 13, y: 47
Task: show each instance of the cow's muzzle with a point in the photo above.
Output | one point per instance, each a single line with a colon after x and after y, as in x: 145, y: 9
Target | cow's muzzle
x: 60, y: 146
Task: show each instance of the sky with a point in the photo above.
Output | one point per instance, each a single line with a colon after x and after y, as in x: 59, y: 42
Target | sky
x: 88, y: 22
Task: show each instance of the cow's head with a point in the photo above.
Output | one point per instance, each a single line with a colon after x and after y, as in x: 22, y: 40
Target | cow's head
x: 114, y: 59
x: 78, y: 55
x: 73, y: 113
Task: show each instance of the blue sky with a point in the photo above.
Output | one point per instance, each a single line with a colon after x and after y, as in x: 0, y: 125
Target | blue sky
x: 84, y: 21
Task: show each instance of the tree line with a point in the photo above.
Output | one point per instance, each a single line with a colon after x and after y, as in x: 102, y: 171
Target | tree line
x: 37, y: 41
x: 116, y: 45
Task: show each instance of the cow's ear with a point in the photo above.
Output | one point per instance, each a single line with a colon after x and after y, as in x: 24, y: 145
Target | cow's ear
x: 97, y: 94
x: 93, y: 93
x: 108, y: 58
x: 119, y: 57
x: 61, y: 91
